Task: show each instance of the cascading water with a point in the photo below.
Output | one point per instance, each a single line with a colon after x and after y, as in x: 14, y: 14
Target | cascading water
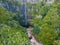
x: 25, y: 14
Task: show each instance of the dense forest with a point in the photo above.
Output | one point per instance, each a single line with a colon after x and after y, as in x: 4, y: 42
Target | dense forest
x: 16, y: 17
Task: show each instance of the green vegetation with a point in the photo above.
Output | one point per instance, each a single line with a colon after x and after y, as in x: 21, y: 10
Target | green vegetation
x: 49, y: 25
x: 11, y: 33
x: 12, y: 36
x: 46, y: 21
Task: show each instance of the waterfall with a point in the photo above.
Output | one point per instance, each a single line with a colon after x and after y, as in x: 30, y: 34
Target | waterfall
x: 24, y: 12
x: 25, y: 15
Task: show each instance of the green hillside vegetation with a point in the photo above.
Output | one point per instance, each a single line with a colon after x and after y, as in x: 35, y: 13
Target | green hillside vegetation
x: 45, y: 23
x: 11, y: 33
x: 49, y: 26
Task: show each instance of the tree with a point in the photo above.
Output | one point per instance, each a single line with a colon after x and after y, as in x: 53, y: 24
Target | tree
x: 5, y: 15
x: 12, y: 36
x: 49, y: 26
x: 11, y: 33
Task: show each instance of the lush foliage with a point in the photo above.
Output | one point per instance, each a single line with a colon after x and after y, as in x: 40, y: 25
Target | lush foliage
x: 49, y: 25
x: 46, y: 21
x: 11, y: 33
x: 12, y: 36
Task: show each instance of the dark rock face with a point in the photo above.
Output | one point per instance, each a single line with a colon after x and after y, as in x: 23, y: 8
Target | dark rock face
x: 20, y: 9
x: 30, y: 37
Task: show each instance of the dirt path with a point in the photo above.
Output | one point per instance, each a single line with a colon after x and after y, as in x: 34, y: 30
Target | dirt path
x: 32, y: 40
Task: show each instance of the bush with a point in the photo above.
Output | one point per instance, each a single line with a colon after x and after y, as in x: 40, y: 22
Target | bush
x: 12, y: 36
x: 5, y: 15
x: 11, y: 33
x: 49, y: 26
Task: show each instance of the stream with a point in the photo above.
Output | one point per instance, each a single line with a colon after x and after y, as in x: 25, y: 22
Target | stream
x: 32, y: 39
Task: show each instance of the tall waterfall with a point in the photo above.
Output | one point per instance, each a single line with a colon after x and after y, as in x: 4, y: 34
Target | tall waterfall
x: 24, y: 13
